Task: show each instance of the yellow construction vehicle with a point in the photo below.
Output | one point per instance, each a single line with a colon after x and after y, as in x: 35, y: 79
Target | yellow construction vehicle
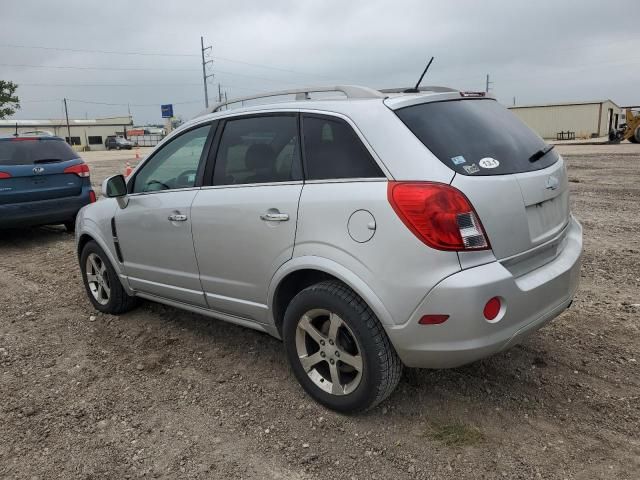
x: 629, y: 130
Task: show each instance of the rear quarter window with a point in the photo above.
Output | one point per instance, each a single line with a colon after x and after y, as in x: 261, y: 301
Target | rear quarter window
x: 18, y: 151
x: 476, y: 136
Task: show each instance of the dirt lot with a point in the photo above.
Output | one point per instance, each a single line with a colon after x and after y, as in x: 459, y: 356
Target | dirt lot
x: 161, y: 393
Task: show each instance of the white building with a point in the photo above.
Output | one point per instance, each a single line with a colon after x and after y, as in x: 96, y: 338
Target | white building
x: 86, y: 134
x: 582, y: 119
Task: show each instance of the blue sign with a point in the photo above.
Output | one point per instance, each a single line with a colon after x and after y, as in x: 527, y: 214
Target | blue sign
x: 167, y: 111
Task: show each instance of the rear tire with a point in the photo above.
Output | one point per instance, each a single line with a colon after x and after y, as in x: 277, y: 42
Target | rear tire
x: 635, y: 138
x: 102, y: 282
x: 338, y: 350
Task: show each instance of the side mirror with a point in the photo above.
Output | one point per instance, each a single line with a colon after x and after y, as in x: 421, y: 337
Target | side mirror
x: 116, y: 187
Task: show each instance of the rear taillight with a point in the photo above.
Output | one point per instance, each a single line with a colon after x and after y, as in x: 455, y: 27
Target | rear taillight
x: 92, y: 196
x: 438, y: 214
x: 5, y: 175
x: 82, y: 170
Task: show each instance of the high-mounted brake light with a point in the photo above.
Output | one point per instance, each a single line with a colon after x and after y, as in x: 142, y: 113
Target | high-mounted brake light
x: 82, y: 170
x: 472, y: 94
x: 438, y: 214
x: 5, y: 175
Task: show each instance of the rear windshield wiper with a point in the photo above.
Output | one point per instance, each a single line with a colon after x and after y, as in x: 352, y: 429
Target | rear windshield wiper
x: 541, y: 153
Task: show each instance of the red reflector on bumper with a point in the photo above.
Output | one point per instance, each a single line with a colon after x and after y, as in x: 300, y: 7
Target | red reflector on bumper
x: 492, y: 308
x: 433, y: 319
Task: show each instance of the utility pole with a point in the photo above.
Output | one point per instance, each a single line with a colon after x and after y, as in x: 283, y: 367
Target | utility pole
x: 204, y: 70
x: 486, y: 89
x: 66, y: 113
x: 219, y: 94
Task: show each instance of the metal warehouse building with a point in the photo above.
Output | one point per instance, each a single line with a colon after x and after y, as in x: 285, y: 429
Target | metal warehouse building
x: 87, y: 134
x: 573, y: 119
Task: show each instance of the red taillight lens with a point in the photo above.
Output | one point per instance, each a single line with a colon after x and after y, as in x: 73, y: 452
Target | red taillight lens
x: 438, y: 214
x: 5, y: 175
x: 82, y: 170
x: 92, y: 196
x: 492, y: 308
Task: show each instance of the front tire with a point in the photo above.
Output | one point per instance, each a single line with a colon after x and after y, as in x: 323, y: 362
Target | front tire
x: 338, y: 350
x: 102, y: 283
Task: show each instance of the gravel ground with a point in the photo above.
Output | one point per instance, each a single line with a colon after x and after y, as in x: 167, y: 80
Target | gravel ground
x: 161, y: 393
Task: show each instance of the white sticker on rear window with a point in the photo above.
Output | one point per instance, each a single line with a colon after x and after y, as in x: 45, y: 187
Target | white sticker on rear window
x: 489, y: 162
x: 473, y: 168
x: 459, y: 160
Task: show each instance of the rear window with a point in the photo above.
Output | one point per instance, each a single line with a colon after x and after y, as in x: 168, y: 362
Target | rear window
x: 18, y: 151
x: 476, y: 137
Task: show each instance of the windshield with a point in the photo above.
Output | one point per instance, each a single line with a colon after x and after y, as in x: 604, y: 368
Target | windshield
x: 476, y: 137
x: 27, y: 151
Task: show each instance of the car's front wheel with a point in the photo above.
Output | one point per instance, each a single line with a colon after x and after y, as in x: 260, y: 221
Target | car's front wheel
x: 337, y: 348
x: 102, y: 283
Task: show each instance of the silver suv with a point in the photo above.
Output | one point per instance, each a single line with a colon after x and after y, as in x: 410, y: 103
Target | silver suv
x: 370, y: 231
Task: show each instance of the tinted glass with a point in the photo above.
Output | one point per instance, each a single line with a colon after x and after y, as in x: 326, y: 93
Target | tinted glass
x: 333, y: 150
x: 476, y: 137
x: 258, y: 150
x: 175, y: 165
x: 18, y: 151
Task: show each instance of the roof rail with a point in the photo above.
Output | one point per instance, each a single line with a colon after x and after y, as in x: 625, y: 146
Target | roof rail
x: 433, y: 88
x: 350, y: 91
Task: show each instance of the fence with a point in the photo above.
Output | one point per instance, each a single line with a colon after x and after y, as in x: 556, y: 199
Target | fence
x: 145, y: 140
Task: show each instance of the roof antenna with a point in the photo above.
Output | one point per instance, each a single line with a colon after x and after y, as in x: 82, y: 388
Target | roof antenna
x: 416, y: 88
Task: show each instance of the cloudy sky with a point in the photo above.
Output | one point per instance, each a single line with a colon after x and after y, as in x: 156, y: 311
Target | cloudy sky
x: 105, y: 55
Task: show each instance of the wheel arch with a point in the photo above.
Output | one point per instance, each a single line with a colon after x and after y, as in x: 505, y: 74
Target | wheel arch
x: 301, y: 272
x: 88, y: 235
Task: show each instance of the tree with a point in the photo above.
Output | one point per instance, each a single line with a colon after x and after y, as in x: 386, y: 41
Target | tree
x: 176, y: 121
x: 9, y: 101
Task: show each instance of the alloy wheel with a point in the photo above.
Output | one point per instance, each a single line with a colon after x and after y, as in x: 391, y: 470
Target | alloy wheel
x: 329, y: 352
x: 98, y: 279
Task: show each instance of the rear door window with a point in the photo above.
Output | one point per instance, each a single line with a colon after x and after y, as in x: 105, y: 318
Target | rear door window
x: 332, y: 150
x: 27, y: 151
x: 476, y: 137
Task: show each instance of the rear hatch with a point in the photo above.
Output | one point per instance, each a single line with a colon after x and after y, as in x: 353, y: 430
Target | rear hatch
x: 516, y: 183
x: 33, y: 169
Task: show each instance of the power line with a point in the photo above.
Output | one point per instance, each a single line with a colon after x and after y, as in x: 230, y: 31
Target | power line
x: 111, y: 52
x: 131, y: 104
x: 142, y: 69
x: 158, y: 54
x: 145, y: 85
x: 72, y: 67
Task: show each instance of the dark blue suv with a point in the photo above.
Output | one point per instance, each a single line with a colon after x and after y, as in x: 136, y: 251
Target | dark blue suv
x: 42, y: 182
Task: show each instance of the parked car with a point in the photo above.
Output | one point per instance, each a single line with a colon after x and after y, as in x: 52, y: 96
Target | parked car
x: 43, y: 181
x: 425, y: 229
x: 117, y: 142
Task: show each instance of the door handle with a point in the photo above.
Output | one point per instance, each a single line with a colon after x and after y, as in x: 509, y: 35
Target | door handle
x: 176, y: 217
x: 274, y: 217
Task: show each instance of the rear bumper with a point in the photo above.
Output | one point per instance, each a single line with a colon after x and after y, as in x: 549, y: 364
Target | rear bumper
x: 529, y: 302
x: 43, y: 212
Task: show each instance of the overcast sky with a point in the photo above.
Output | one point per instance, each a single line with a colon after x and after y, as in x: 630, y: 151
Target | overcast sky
x: 535, y: 51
